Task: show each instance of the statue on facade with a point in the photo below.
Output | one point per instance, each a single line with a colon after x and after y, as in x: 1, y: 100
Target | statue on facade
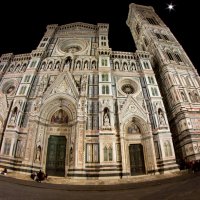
x: 93, y: 65
x: 38, y: 154
x: 161, y: 117
x: 106, y: 118
x: 13, y: 117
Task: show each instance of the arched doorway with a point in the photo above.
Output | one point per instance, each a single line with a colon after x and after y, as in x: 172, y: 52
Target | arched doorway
x: 138, y: 156
x: 56, y: 154
x: 56, y: 149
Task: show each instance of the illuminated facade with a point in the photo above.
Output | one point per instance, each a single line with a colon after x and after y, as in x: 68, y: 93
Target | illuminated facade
x: 75, y: 108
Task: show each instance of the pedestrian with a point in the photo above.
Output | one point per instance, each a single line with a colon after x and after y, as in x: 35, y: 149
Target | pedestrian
x: 5, y: 171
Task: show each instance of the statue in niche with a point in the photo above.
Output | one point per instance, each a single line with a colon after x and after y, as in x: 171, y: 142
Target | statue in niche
x: 161, y: 117
x: 116, y: 65
x: 106, y: 118
x: 78, y: 65
x: 93, y: 65
x: 85, y: 65
x: 125, y: 67
x: 38, y: 154
x: 68, y: 62
x: 14, y: 116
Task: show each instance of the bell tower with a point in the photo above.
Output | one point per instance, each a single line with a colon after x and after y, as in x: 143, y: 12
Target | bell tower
x: 176, y: 75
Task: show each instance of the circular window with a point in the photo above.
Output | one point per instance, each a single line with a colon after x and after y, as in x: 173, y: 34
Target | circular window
x: 72, y: 46
x: 72, y: 49
x: 10, y: 89
x: 128, y: 86
x: 128, y: 89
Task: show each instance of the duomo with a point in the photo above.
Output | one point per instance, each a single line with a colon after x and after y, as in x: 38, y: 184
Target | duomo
x: 75, y: 108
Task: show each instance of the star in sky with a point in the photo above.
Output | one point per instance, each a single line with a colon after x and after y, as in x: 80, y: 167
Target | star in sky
x: 170, y: 7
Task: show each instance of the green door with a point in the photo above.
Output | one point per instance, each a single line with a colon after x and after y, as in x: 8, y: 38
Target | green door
x: 56, y: 153
x: 136, y: 159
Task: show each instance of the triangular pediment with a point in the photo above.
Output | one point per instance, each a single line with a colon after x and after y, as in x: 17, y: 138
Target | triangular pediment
x: 64, y: 84
x: 131, y: 106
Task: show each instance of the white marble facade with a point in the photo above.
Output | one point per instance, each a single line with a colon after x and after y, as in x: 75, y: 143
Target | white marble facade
x: 105, y: 107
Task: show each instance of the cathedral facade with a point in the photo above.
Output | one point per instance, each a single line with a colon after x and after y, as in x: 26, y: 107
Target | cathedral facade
x: 75, y: 108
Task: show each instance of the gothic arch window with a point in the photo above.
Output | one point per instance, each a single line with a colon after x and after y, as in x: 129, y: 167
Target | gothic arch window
x: 152, y: 21
x: 146, y: 65
x: 151, y: 80
x: 178, y: 58
x: 170, y: 56
x: 23, y: 69
x: 11, y: 68
x: 104, y: 77
x: 158, y: 36
x: 59, y: 117
x: 167, y: 148
x: 105, y: 89
x: 17, y: 69
x: 154, y: 91
x: 108, y: 153
x: 22, y: 90
x: 165, y: 37
x: 104, y: 62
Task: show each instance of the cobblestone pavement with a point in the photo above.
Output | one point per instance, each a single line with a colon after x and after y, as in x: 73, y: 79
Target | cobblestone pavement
x: 170, y: 186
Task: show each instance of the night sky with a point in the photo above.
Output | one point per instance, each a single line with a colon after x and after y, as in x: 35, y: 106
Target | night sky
x: 23, y: 25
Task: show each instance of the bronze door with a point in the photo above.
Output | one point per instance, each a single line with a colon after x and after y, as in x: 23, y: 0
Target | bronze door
x: 136, y: 159
x: 56, y: 153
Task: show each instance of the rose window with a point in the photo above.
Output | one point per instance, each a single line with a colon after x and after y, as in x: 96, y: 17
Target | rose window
x: 128, y: 89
